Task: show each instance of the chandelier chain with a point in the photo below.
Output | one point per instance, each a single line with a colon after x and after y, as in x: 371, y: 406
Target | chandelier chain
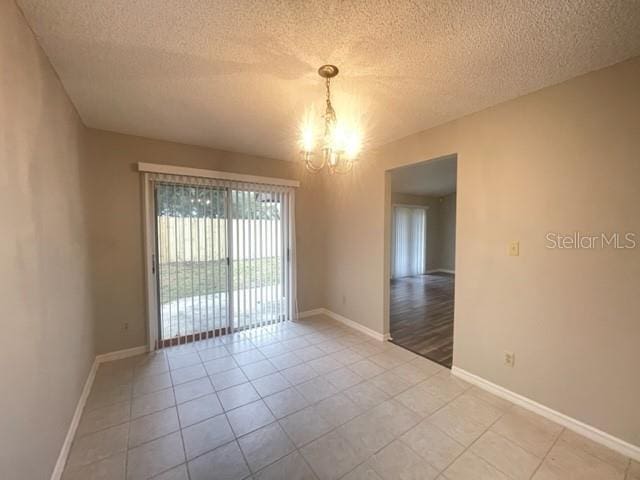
x: 329, y: 115
x: 328, y: 92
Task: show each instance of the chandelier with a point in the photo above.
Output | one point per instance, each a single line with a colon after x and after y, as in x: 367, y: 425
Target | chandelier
x: 338, y: 145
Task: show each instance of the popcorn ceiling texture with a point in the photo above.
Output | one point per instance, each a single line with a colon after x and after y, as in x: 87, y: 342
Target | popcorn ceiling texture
x: 238, y: 74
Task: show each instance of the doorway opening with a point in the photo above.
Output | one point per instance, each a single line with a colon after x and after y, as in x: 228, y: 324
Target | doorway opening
x: 422, y: 258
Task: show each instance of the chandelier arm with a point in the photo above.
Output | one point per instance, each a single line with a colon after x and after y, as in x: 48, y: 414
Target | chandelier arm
x: 342, y: 169
x: 314, y: 168
x: 342, y: 166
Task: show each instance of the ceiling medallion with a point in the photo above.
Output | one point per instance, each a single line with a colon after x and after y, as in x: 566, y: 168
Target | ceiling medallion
x: 338, y: 145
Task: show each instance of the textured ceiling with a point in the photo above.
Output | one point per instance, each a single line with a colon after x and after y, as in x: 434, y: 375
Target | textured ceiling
x: 435, y: 178
x: 238, y: 74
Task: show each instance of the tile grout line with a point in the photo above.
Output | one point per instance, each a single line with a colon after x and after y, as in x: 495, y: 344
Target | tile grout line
x: 466, y: 448
x: 184, y: 448
x: 126, y: 455
x: 307, y: 362
x: 235, y: 440
x: 236, y: 437
x: 176, y: 404
x: 395, y: 439
x: 555, y: 441
x: 335, y: 429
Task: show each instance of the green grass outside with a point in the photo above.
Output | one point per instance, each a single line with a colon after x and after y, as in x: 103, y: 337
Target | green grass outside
x: 189, y: 279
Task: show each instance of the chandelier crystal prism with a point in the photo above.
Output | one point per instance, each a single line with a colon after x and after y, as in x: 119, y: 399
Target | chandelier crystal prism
x: 338, y: 145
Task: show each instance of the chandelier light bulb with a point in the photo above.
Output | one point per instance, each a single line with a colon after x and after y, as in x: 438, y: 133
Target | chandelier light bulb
x: 308, y: 138
x: 338, y: 137
x: 308, y: 132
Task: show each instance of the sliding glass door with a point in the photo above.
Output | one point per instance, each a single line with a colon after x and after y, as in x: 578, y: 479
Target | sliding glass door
x: 259, y: 257
x: 222, y: 256
x: 192, y: 259
x: 409, y: 241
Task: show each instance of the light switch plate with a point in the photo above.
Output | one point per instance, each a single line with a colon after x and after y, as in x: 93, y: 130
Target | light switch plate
x: 514, y: 248
x: 509, y: 359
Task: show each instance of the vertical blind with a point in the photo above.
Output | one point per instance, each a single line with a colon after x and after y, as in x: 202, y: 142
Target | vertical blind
x: 224, y: 256
x: 409, y: 241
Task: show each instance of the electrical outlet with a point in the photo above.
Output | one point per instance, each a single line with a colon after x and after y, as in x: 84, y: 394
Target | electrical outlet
x: 125, y: 326
x: 514, y: 248
x: 344, y: 299
x: 509, y: 359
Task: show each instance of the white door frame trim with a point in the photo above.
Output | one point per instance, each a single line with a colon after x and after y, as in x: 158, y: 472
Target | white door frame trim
x: 150, y: 260
x: 388, y: 230
x: 149, y: 229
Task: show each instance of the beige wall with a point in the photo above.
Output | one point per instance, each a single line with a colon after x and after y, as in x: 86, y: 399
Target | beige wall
x: 116, y: 226
x: 47, y: 347
x: 561, y: 159
x: 447, y: 230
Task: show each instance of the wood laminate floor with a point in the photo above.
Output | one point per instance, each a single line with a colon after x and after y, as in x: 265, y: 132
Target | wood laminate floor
x: 422, y: 315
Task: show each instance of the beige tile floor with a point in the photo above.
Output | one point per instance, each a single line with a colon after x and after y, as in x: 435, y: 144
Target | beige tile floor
x: 315, y: 400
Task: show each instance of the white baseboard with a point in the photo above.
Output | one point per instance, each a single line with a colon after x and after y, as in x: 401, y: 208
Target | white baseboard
x: 346, y: 321
x: 311, y: 313
x: 75, y: 420
x: 621, y: 446
x: 356, y: 326
x: 120, y: 354
x: 77, y: 415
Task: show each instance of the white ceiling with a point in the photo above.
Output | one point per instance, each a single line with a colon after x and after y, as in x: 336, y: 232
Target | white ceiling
x: 238, y: 74
x: 435, y: 178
